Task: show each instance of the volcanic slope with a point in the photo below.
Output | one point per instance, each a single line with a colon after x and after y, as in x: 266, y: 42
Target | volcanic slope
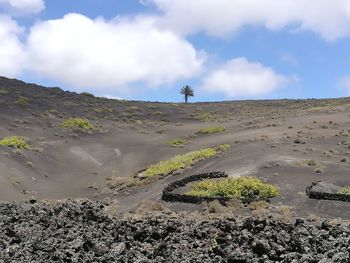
x: 289, y: 143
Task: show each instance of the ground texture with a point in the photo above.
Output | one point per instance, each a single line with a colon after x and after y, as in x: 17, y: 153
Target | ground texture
x: 83, y: 232
x: 287, y: 143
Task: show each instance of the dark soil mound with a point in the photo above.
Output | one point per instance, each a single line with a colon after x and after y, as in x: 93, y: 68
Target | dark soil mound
x: 82, y: 232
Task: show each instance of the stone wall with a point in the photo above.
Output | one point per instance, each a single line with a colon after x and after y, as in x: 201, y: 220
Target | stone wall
x: 325, y: 196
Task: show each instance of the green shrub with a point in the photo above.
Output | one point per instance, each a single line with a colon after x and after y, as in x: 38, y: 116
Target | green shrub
x: 224, y: 147
x: 180, y: 162
x: 15, y: 142
x: 22, y: 101
x: 211, y: 130
x: 87, y: 94
x: 344, y: 190
x: 238, y: 188
x: 177, y: 142
x: 76, y: 123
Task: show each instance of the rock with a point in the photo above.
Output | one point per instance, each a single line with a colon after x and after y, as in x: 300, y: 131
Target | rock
x: 118, y: 249
x: 80, y: 231
x: 261, y: 247
x: 324, y: 187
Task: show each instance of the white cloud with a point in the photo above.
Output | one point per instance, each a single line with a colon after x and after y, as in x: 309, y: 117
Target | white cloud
x: 239, y: 77
x: 329, y: 18
x: 11, y: 48
x: 103, y: 54
x: 345, y: 84
x: 23, y: 6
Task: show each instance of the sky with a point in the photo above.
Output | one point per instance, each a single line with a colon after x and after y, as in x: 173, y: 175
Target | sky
x: 149, y: 49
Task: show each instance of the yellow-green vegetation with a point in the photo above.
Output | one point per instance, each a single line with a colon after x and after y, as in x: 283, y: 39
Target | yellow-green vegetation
x: 205, y: 117
x: 181, y: 161
x: 22, y: 101
x: 132, y: 108
x: 211, y: 130
x: 177, y: 142
x: 76, y: 123
x: 238, y: 188
x: 3, y: 91
x: 15, y: 142
x: 344, y: 190
x: 139, y: 122
x: 224, y: 147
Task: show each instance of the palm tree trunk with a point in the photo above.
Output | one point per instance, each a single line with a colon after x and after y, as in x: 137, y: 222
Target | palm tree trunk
x: 186, y: 98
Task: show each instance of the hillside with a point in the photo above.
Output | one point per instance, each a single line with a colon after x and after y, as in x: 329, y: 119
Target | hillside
x: 78, y: 147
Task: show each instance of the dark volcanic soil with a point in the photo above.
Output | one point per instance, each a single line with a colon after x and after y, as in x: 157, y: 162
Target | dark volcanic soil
x: 289, y: 143
x: 82, y: 232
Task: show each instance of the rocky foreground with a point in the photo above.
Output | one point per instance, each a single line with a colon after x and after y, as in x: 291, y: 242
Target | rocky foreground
x: 83, y: 232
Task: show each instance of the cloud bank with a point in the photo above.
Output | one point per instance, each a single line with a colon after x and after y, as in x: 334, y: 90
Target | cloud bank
x: 329, y: 19
x: 240, y: 77
x: 11, y: 48
x: 102, y: 54
x: 23, y: 6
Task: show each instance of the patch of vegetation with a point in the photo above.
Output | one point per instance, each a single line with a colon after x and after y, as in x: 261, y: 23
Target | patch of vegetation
x: 132, y: 108
x: 22, y: 101
x: 211, y: 130
x: 238, y: 188
x: 15, y: 142
x: 205, y: 117
x: 344, y: 190
x: 139, y: 122
x: 180, y: 162
x: 76, y: 123
x: 177, y: 142
x: 3, y: 91
x: 224, y: 147
x: 87, y: 94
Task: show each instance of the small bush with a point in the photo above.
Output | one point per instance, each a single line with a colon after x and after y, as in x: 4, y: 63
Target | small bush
x: 87, y: 94
x: 211, y: 130
x: 22, y: 101
x: 177, y: 142
x: 139, y: 122
x: 15, y: 142
x: 238, y: 188
x: 179, y: 162
x: 344, y: 190
x: 76, y: 123
x: 224, y: 147
x: 205, y: 117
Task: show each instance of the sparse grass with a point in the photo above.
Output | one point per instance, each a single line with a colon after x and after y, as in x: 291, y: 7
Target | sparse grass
x: 132, y: 108
x: 76, y: 123
x: 238, y: 188
x: 180, y: 162
x: 177, y: 142
x: 344, y: 190
x: 17, y: 142
x: 211, y: 130
x: 205, y: 117
x: 320, y: 108
x: 22, y: 101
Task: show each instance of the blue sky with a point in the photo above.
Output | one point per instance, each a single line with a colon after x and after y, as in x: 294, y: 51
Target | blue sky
x: 147, y: 50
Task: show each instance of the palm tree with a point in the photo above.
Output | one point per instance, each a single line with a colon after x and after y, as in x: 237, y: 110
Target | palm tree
x: 187, y: 91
